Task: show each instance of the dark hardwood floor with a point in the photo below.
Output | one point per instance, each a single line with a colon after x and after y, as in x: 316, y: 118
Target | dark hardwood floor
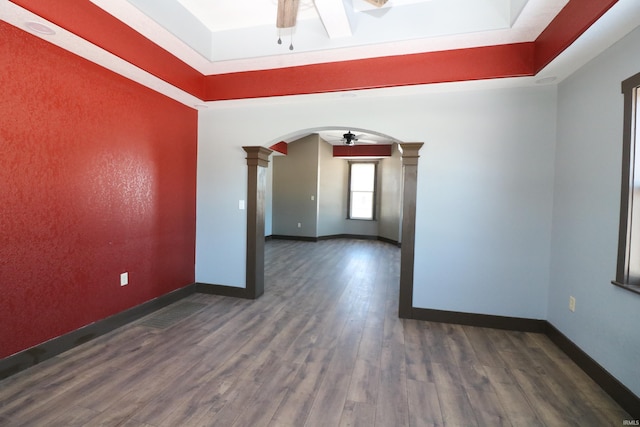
x: 323, y: 347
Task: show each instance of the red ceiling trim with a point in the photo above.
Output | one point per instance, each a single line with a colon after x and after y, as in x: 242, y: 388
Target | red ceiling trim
x: 489, y: 62
x: 90, y: 22
x: 573, y: 20
x: 362, y: 150
x: 280, y: 147
x: 93, y: 24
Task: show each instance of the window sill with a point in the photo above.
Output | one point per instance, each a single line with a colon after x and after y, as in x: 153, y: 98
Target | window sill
x: 631, y: 288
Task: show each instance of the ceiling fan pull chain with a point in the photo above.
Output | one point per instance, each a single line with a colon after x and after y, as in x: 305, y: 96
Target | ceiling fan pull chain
x: 291, y: 44
x: 279, y: 38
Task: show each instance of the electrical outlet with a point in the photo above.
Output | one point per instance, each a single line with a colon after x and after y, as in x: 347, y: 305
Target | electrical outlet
x: 299, y: 225
x: 124, y: 279
x: 572, y: 303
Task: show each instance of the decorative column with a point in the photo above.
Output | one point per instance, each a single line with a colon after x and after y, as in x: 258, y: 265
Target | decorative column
x: 410, y: 157
x: 257, y: 162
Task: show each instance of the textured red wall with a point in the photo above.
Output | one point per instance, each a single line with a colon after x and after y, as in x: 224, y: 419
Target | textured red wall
x: 97, y: 177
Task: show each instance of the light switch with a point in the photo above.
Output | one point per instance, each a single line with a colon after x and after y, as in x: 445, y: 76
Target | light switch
x: 241, y: 205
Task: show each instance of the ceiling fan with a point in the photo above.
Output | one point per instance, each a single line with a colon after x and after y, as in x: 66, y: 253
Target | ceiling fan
x: 287, y: 14
x: 378, y: 3
x: 348, y: 138
x: 288, y: 11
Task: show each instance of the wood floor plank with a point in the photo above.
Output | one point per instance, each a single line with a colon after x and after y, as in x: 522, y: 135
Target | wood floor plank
x: 357, y: 414
x: 241, y: 391
x: 47, y: 415
x: 268, y: 397
x: 585, y: 398
x: 589, y: 390
x: 459, y: 345
x: 332, y: 394
x: 435, y: 337
x: 547, y: 406
x: 424, y: 406
x: 323, y: 347
x: 456, y: 408
x: 365, y: 382
x: 160, y: 391
x: 196, y: 406
x: 206, y: 390
x: 500, y: 340
x: 329, y: 400
x: 55, y: 394
x: 134, y: 423
x: 487, y: 407
x: 74, y: 416
x: 371, y: 340
x: 305, y: 340
x: 454, y: 402
x: 392, y: 405
x: 122, y: 410
x: 486, y: 353
x: 296, y: 404
x: 417, y: 352
x: 512, y: 397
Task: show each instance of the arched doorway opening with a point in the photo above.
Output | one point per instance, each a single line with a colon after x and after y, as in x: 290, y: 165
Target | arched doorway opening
x: 257, y: 163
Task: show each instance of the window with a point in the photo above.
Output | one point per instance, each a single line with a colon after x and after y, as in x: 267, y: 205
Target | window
x: 628, y: 269
x: 362, y: 190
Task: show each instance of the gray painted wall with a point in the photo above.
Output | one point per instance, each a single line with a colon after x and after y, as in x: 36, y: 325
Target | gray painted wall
x: 391, y: 196
x: 295, y: 174
x: 585, y: 216
x: 295, y: 189
x: 268, y: 208
x: 332, y: 201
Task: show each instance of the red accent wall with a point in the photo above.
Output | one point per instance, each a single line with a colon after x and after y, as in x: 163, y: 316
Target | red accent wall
x: 361, y: 150
x: 92, y: 23
x: 280, y: 147
x: 511, y: 60
x: 573, y: 20
x: 97, y: 177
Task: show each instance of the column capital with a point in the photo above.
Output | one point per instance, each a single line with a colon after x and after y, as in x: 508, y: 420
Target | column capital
x: 258, y: 156
x: 409, y: 152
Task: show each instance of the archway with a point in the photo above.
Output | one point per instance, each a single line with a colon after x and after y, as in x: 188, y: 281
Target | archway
x: 258, y: 161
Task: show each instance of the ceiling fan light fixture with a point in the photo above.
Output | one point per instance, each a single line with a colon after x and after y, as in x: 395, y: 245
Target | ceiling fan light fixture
x: 349, y: 138
x: 287, y: 15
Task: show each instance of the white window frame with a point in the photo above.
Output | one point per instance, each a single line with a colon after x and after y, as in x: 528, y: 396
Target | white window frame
x: 350, y: 191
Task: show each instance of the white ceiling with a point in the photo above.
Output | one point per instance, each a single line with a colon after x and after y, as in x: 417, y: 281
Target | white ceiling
x: 222, y: 36
x: 622, y: 18
x: 335, y: 137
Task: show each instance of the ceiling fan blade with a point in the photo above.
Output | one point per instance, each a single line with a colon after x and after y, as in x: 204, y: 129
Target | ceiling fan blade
x: 377, y: 3
x: 287, y: 13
